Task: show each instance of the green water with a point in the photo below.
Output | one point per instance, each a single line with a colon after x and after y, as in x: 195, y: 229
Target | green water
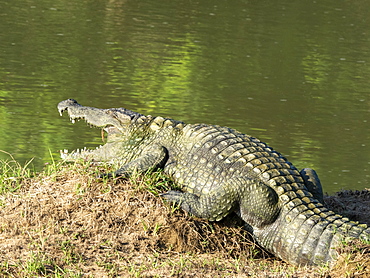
x: 295, y: 74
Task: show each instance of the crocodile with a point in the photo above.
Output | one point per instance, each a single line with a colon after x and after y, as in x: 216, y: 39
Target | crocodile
x: 220, y: 171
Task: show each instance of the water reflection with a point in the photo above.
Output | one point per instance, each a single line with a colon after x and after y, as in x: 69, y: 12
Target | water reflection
x: 293, y: 74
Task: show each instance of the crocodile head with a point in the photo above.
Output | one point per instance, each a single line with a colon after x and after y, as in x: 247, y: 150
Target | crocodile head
x: 116, y: 122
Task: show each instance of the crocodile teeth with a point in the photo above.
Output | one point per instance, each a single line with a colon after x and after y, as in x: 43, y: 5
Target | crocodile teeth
x: 64, y: 153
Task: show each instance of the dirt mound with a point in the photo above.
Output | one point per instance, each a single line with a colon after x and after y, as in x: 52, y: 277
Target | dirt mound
x: 353, y: 204
x: 72, y: 225
x: 72, y: 219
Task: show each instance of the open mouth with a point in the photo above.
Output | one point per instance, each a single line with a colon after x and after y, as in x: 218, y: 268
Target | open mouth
x: 91, y: 115
x: 113, y: 123
x: 107, y: 134
x: 85, y: 153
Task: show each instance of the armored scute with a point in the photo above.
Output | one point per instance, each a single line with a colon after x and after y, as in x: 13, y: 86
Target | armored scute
x: 221, y: 170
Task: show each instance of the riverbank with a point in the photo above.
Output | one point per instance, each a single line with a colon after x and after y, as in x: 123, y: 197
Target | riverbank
x: 64, y: 222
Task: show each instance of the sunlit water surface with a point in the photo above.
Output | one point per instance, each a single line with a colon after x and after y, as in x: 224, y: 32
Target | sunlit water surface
x: 295, y: 74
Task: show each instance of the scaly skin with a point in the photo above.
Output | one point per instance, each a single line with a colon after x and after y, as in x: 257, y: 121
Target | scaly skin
x: 221, y: 170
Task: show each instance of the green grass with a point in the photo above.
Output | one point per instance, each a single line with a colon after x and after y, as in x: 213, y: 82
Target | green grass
x: 12, y: 173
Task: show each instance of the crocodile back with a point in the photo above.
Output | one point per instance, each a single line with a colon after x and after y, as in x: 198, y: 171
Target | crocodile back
x: 207, y: 156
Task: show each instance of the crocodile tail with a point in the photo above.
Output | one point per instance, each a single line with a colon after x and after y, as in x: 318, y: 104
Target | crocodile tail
x: 309, y: 236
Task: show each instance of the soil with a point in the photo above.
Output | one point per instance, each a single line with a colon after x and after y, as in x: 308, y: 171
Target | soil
x: 70, y: 224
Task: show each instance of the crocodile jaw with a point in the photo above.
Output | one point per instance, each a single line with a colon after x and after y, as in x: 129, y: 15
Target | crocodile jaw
x: 103, y: 118
x: 93, y: 116
x: 100, y: 154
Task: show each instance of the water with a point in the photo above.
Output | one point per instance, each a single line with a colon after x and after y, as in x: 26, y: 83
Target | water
x: 295, y: 74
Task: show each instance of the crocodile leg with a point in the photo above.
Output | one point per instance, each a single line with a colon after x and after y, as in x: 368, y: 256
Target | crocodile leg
x: 247, y: 202
x: 213, y: 206
x: 313, y: 184
x: 154, y: 159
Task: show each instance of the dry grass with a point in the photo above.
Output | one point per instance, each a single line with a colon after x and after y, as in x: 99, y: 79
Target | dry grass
x: 67, y: 223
